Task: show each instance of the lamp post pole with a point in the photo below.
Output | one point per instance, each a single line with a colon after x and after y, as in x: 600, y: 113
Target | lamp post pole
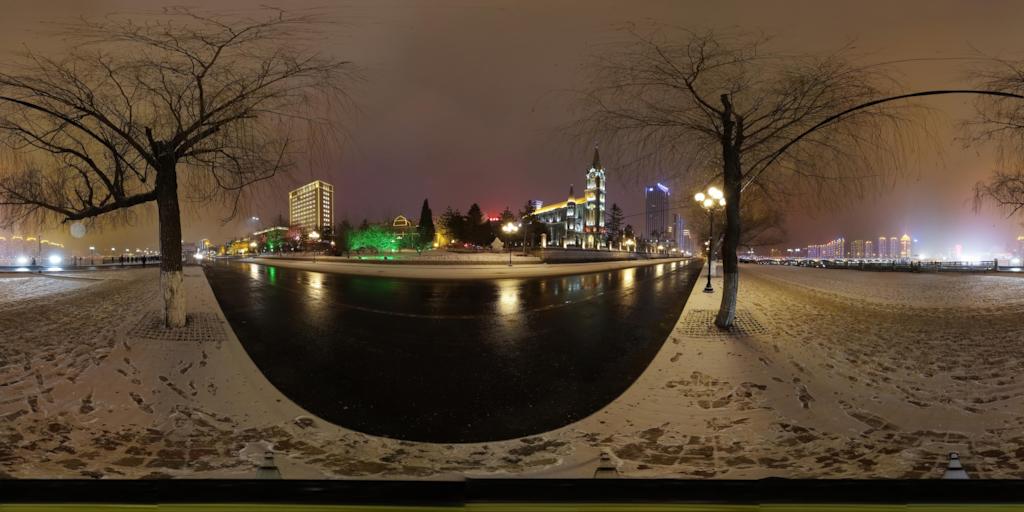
x: 509, y: 230
x: 711, y: 248
x: 710, y: 201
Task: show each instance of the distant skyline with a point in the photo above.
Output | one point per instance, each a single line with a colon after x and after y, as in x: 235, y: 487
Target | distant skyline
x: 461, y: 104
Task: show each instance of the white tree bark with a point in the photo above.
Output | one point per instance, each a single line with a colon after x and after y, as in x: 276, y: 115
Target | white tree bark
x: 172, y: 285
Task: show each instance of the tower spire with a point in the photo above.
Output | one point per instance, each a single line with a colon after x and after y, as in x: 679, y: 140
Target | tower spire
x: 597, y: 159
x: 571, y: 194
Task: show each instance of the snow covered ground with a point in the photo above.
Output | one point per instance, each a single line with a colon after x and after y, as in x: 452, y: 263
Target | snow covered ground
x: 834, y: 375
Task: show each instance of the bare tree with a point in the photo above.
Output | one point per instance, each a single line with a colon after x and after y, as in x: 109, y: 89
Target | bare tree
x: 1000, y: 121
x: 690, y: 100
x: 211, y: 102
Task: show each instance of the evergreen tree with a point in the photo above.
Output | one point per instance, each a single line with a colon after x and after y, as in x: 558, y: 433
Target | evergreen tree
x: 342, y: 233
x: 454, y: 224
x: 425, y: 228
x: 614, y: 223
x: 478, y: 230
x: 507, y: 216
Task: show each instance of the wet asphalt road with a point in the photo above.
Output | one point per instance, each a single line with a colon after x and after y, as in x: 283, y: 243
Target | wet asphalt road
x: 445, y: 361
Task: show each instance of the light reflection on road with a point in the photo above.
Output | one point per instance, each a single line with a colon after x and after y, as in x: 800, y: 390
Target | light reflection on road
x: 451, y: 361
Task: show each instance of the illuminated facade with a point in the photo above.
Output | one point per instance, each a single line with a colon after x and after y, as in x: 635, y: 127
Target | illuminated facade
x: 869, y: 249
x: 311, y: 206
x: 656, y: 226
x: 906, y: 247
x: 894, y: 248
x: 834, y: 249
x: 857, y: 250
x: 578, y: 221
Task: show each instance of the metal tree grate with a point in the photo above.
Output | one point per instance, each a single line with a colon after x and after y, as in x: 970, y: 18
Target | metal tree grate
x: 701, y: 324
x: 199, y: 327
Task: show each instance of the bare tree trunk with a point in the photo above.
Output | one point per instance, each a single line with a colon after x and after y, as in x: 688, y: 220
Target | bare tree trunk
x: 172, y: 284
x: 730, y: 263
x: 733, y: 181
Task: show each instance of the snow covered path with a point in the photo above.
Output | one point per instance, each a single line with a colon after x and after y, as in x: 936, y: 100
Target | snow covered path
x: 832, y: 374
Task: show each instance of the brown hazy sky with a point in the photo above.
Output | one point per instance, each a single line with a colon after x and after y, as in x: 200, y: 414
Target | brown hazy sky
x: 458, y: 104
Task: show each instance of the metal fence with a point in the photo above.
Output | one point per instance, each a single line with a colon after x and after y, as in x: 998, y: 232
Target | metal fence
x: 896, y: 265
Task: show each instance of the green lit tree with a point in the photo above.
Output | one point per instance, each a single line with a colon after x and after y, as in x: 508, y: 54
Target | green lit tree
x: 375, y: 238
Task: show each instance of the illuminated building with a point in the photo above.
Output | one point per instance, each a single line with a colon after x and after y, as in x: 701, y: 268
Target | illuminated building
x: 834, y: 249
x: 857, y: 250
x: 1020, y: 246
x: 894, y: 248
x: 401, y: 226
x: 883, y: 247
x: 869, y: 249
x: 687, y: 246
x: 906, y: 247
x: 656, y: 212
x: 311, y: 206
x: 578, y: 221
x: 676, y: 231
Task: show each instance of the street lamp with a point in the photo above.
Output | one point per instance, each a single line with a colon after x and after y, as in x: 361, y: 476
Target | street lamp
x: 509, y: 229
x: 629, y: 244
x: 711, y: 201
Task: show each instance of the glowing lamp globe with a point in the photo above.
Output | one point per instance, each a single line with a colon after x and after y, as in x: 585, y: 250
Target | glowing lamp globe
x: 78, y: 230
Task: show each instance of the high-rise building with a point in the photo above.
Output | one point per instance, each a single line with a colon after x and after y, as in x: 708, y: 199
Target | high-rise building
x: 311, y: 206
x: 858, y: 249
x: 869, y: 249
x: 656, y: 199
x: 687, y: 246
x: 883, y: 247
x: 906, y: 247
x: 676, y: 231
x: 894, y: 248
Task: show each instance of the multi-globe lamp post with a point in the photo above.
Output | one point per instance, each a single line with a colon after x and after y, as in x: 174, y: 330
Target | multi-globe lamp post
x: 509, y: 229
x: 711, y: 201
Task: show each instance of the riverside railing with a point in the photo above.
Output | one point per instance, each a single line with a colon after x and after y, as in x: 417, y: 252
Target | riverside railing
x: 994, y: 265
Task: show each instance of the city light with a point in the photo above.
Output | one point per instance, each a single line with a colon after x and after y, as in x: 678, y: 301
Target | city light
x: 707, y: 201
x: 22, y: 260
x: 54, y: 259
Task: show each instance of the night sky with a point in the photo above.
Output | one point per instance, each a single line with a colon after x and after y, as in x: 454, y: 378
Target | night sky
x: 462, y: 102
